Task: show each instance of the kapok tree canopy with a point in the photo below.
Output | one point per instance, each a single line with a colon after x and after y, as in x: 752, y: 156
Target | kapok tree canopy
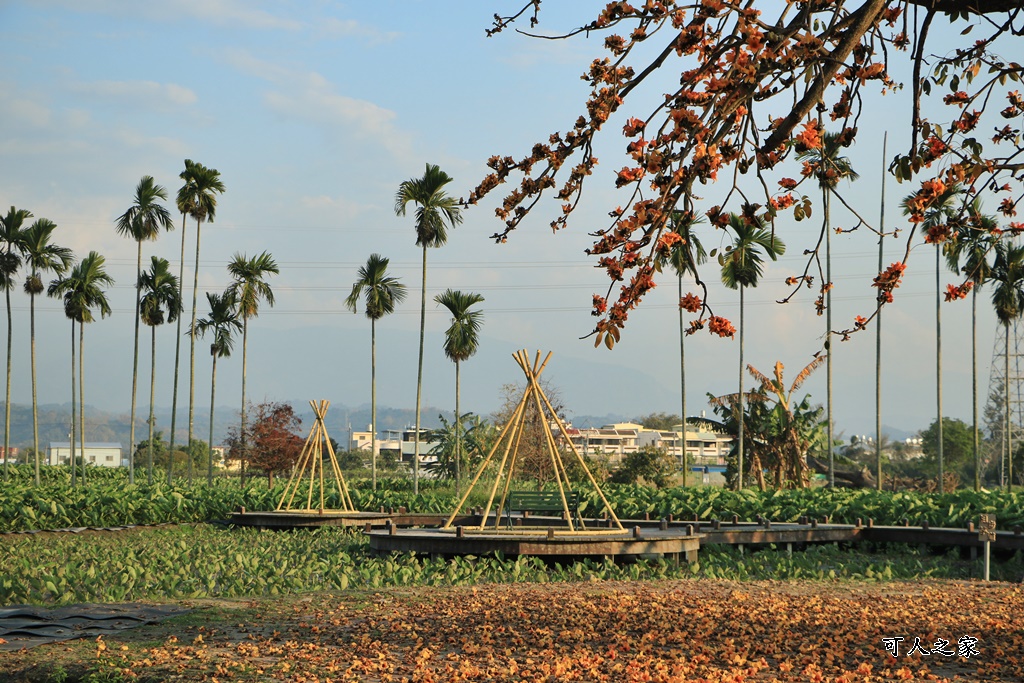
x: 739, y: 66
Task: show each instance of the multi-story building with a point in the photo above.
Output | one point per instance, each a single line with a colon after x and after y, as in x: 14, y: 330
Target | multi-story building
x: 703, y: 446
x: 399, y: 442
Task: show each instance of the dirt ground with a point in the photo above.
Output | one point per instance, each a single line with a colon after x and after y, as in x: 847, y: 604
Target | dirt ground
x: 596, y: 631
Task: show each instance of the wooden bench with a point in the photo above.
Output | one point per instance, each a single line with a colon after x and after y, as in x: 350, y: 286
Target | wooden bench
x: 543, y: 501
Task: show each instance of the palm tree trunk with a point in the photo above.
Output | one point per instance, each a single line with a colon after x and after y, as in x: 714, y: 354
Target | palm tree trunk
x: 192, y: 356
x: 35, y: 416
x: 135, y: 368
x: 938, y: 353
x: 828, y: 340
x: 878, y: 382
x: 458, y: 434
x: 213, y: 394
x: 739, y: 441
x: 878, y: 330
x: 974, y: 385
x: 682, y: 382
x: 81, y: 394
x: 1009, y: 424
x: 419, y: 380
x: 152, y: 398
x: 373, y: 402
x: 74, y: 416
x: 177, y: 354
x: 7, y: 401
x: 241, y: 434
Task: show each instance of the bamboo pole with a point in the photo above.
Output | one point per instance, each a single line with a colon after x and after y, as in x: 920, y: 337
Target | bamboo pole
x: 510, y: 437
x: 312, y: 472
x: 321, y: 434
x: 553, y: 452
x: 511, y: 469
x: 296, y: 474
x: 518, y: 420
x: 479, y: 472
x: 304, y: 459
x: 343, y: 491
x: 583, y: 464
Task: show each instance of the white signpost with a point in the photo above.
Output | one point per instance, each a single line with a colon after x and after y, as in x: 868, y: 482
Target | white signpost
x: 987, y: 534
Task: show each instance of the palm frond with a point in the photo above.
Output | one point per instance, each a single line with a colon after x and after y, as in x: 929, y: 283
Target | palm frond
x: 805, y: 373
x: 434, y: 207
x: 144, y: 218
x: 462, y: 336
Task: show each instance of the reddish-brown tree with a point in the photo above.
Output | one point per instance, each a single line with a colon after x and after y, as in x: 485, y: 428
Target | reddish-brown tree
x: 759, y: 83
x: 270, y: 437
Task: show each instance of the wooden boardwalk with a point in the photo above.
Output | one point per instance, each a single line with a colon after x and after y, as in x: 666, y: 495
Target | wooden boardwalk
x: 400, y: 531
x: 550, y: 542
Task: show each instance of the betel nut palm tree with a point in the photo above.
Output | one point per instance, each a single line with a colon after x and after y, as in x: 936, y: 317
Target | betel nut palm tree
x: 58, y: 288
x: 248, y: 288
x: 742, y: 266
x: 11, y: 248
x: 936, y: 220
x: 41, y: 255
x: 1008, y: 301
x: 141, y: 222
x: 83, y: 290
x: 196, y: 198
x: 684, y: 256
x: 968, y: 254
x: 222, y: 323
x: 828, y: 168
x: 160, y: 303
x: 435, y: 212
x: 381, y: 294
x: 461, y: 340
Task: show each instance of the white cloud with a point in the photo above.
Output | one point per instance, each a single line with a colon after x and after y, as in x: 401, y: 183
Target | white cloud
x: 333, y: 27
x: 308, y: 96
x: 332, y: 208
x: 133, y: 139
x: 16, y: 110
x: 230, y: 13
x: 147, y: 94
x: 234, y: 14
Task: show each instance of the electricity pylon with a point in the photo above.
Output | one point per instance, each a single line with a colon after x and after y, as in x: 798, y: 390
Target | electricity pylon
x: 1003, y: 384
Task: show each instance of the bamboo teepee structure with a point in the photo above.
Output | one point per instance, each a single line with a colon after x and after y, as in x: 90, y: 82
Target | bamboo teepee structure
x: 312, y: 458
x: 508, y: 444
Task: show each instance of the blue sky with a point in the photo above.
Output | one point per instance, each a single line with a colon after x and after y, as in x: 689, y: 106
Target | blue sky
x: 314, y: 112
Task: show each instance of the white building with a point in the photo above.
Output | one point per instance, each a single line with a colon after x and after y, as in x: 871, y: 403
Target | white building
x: 618, y: 440
x: 96, y: 453
x: 400, y: 442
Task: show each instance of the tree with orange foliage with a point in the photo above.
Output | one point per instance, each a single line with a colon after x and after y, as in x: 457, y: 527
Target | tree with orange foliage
x: 738, y: 66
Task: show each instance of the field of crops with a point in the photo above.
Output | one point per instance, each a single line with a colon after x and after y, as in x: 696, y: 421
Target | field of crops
x: 316, y: 605
x: 109, y: 500
x: 205, y: 561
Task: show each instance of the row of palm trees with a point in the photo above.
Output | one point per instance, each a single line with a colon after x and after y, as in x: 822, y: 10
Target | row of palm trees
x: 81, y: 287
x: 381, y: 293
x: 230, y: 311
x: 33, y: 247
x: 142, y: 221
x: 158, y: 293
x: 974, y: 250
